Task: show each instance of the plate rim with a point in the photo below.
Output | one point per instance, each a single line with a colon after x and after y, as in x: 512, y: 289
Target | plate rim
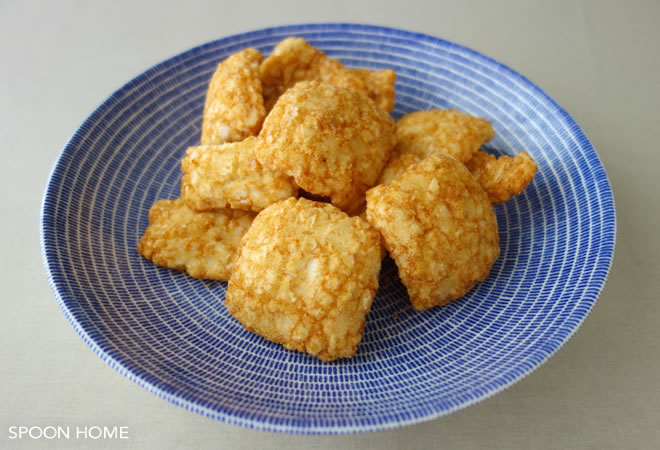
x: 607, y: 249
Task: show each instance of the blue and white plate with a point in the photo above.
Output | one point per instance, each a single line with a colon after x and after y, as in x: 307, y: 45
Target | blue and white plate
x: 171, y: 333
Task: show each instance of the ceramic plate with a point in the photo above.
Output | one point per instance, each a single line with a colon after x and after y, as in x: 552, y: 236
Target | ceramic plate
x: 171, y: 333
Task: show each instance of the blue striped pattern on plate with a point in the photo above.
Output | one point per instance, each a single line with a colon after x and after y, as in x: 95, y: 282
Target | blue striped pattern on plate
x: 171, y: 333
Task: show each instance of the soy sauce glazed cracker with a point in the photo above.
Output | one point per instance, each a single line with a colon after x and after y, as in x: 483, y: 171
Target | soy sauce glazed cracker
x: 230, y: 176
x: 305, y: 277
x: 333, y: 141
x: 234, y: 106
x: 453, y: 133
x: 448, y: 132
x: 439, y: 228
x: 502, y: 177
x: 303, y: 272
x: 294, y: 60
x: 203, y: 244
x: 397, y: 165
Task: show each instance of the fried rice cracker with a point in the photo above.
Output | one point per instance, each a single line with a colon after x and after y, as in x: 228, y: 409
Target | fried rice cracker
x: 502, y: 177
x: 448, y: 132
x: 439, y: 227
x: 380, y: 86
x: 305, y: 277
x: 397, y: 165
x: 294, y: 60
x: 203, y: 244
x: 234, y: 106
x: 333, y: 141
x: 230, y: 176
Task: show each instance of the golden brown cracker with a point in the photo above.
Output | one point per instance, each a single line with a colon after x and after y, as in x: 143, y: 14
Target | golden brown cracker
x: 234, y: 106
x: 504, y: 176
x: 397, y: 165
x: 333, y: 141
x: 305, y: 277
x: 439, y: 228
x: 230, y: 176
x: 380, y: 86
x: 294, y: 60
x: 203, y: 244
x: 448, y: 132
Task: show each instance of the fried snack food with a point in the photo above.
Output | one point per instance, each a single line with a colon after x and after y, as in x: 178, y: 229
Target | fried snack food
x: 439, y: 228
x: 234, y: 107
x: 203, y: 244
x: 294, y: 60
x: 397, y: 165
x: 333, y: 141
x: 362, y: 214
x: 501, y: 177
x: 380, y: 86
x: 504, y: 176
x: 230, y: 176
x: 446, y: 131
x: 305, y: 277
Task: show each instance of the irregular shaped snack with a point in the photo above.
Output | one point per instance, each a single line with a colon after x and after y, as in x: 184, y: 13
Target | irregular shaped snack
x: 303, y: 273
x: 397, y: 165
x: 448, y: 132
x: 305, y: 277
x: 504, y: 176
x: 234, y: 107
x: 439, y: 227
x: 230, y: 176
x: 203, y: 244
x: 379, y: 85
x: 294, y: 60
x: 501, y: 177
x: 333, y: 141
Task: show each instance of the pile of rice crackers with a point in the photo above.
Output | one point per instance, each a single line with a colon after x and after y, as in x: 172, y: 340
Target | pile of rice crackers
x: 303, y: 182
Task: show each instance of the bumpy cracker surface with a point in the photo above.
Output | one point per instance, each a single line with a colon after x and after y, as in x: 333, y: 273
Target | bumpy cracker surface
x: 397, y: 165
x: 439, y: 228
x: 294, y: 60
x: 203, y: 244
x: 380, y: 86
x: 305, y: 277
x: 502, y: 177
x: 230, y: 176
x: 448, y: 132
x: 334, y: 142
x: 234, y: 107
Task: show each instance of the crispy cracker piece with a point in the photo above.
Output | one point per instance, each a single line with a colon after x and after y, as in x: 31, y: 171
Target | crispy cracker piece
x: 230, y: 176
x: 439, y: 228
x: 294, y: 60
x: 397, y: 165
x: 449, y: 132
x: 204, y: 244
x: 333, y: 141
x: 380, y: 86
x: 501, y: 177
x: 290, y: 62
x: 504, y: 176
x: 234, y: 107
x: 305, y: 277
x: 362, y: 214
